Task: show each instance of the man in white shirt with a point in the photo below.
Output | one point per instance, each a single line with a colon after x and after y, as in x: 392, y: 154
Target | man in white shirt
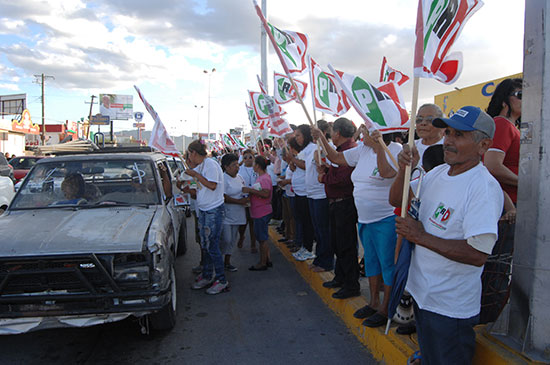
x: 427, y: 133
x: 461, y: 204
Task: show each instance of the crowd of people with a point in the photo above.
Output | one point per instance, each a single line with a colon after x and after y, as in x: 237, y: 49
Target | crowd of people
x: 329, y: 187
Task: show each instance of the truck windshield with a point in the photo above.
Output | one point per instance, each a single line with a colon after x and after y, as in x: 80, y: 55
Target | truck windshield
x: 88, y: 183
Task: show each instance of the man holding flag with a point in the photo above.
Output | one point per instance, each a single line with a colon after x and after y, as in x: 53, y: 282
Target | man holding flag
x: 461, y: 204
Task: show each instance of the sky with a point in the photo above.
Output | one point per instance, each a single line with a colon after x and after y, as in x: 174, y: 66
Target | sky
x: 164, y: 47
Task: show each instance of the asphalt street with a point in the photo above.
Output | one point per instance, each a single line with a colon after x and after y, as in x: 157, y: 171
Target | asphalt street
x: 270, y: 317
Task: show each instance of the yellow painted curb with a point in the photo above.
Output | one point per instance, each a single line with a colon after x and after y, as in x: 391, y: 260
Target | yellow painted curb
x: 391, y: 348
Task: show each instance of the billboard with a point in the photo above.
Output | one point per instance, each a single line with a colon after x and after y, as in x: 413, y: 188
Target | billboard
x: 477, y: 95
x: 117, y: 107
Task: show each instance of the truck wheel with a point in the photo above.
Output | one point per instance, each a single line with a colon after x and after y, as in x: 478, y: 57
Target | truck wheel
x: 182, y: 239
x: 165, y: 319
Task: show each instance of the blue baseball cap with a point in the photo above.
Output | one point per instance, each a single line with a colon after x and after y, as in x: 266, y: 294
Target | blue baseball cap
x: 468, y: 118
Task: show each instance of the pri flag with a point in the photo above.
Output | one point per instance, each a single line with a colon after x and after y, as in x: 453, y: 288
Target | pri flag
x: 329, y: 96
x: 388, y: 73
x: 284, y: 92
x: 160, y: 139
x: 293, y: 46
x: 381, y: 108
x: 227, y: 140
x: 251, y: 117
x: 438, y: 24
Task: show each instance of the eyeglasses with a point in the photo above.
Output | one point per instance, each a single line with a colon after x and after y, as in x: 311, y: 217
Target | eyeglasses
x: 518, y: 94
x: 427, y: 120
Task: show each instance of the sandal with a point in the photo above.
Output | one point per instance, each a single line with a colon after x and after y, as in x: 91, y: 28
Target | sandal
x: 416, y: 356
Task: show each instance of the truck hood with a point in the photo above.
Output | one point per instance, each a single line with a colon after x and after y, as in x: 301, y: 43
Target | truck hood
x: 63, y: 231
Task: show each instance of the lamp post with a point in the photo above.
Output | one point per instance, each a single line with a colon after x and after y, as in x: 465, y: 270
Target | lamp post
x: 198, y: 113
x: 209, y: 75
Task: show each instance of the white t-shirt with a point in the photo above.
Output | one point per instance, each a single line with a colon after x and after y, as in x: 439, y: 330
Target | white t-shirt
x: 453, y: 207
x: 233, y: 187
x: 248, y: 174
x: 271, y: 172
x: 423, y: 147
x: 370, y: 190
x: 288, y: 187
x: 299, y: 178
x: 314, y: 189
x: 209, y: 199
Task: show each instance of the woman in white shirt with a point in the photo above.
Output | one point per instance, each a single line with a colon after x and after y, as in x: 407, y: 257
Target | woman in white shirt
x: 246, y: 171
x: 372, y: 180
x: 235, y: 202
x: 210, y: 202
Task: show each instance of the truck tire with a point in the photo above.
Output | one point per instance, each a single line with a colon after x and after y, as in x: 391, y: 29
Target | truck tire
x: 165, y: 318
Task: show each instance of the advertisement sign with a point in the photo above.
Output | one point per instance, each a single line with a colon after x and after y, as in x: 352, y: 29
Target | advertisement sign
x: 99, y: 119
x: 24, y: 124
x: 117, y: 107
x: 139, y: 125
x: 476, y: 95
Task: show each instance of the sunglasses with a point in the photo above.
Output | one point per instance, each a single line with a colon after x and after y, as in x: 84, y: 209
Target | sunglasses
x: 518, y: 94
x: 427, y: 120
x: 247, y: 157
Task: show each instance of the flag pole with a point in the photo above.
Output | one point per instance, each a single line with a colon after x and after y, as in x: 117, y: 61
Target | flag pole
x: 358, y: 110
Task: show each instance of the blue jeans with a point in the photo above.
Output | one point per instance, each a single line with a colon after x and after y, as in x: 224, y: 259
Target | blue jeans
x: 210, y: 228
x: 319, y: 211
x: 445, y: 340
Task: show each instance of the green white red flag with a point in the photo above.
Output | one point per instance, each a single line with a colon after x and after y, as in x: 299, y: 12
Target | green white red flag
x: 290, y: 46
x: 438, y: 24
x: 251, y: 117
x: 227, y: 141
x: 236, y: 141
x: 388, y: 73
x: 328, y: 95
x: 284, y: 92
x: 293, y: 46
x: 381, y: 108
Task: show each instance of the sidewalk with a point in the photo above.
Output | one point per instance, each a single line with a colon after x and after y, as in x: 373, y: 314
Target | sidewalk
x: 391, y: 348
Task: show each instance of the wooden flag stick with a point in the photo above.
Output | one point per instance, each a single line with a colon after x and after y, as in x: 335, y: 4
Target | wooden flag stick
x: 407, y: 177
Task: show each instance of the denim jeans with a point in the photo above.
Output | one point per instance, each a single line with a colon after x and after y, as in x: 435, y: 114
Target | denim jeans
x: 319, y: 211
x: 210, y: 228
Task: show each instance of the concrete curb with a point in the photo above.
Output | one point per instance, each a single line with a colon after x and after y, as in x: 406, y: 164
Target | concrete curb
x: 391, y: 348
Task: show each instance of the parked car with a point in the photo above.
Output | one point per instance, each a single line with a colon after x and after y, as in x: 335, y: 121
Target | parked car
x: 6, y: 193
x: 5, y: 167
x: 22, y: 165
x: 93, y: 239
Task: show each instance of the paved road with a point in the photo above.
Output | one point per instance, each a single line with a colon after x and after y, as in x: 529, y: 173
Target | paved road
x: 270, y: 317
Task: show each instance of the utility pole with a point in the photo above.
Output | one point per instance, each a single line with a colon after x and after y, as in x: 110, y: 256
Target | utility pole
x: 263, y: 46
x: 209, y: 75
x: 40, y: 79
x: 90, y: 116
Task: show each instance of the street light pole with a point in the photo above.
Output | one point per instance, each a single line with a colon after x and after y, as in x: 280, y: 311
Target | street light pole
x: 209, y: 75
x: 198, y: 113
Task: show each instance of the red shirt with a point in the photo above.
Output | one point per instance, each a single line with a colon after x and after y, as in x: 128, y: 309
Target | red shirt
x: 507, y: 139
x: 337, y: 180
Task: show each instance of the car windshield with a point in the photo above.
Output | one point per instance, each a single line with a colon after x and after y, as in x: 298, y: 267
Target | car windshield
x: 88, y: 183
x: 23, y: 163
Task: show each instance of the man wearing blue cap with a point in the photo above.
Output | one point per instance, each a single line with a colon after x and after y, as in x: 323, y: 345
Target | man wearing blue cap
x: 461, y: 204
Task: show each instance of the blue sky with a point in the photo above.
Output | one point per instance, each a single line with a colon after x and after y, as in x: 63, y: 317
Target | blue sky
x: 94, y: 47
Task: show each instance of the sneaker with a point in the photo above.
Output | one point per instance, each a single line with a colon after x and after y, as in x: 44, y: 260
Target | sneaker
x: 201, y: 282
x: 298, y: 253
x: 308, y: 255
x: 230, y: 268
x: 217, y: 287
x: 197, y: 269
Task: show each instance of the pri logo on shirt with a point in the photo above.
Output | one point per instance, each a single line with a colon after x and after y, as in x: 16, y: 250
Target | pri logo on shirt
x: 441, y: 216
